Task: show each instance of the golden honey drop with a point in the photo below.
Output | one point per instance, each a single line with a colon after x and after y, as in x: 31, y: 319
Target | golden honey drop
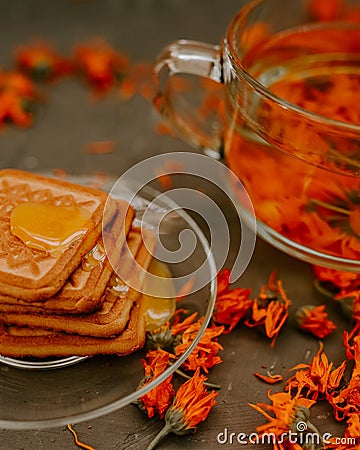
x: 94, y: 258
x: 158, y: 310
x: 50, y: 228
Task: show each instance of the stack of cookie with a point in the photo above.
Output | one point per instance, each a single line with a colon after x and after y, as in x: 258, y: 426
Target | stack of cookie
x: 59, y: 295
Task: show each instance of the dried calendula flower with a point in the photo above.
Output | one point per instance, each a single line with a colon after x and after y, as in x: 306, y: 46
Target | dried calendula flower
x: 42, y: 62
x: 100, y: 64
x: 341, y: 286
x: 205, y: 354
x: 18, y: 96
x: 270, y: 308
x: 160, y: 338
x: 16, y: 110
x: 350, y: 304
x: 231, y: 304
x: 317, y: 379
x: 314, y: 319
x: 191, y: 405
x: 347, y: 400
x: 336, y: 281
x: 178, y: 326
x: 17, y: 83
x: 158, y: 399
x: 286, y: 414
x: 349, y: 340
x: 168, y: 336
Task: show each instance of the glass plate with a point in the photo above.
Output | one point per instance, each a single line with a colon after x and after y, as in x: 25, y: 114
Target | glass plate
x: 79, y: 389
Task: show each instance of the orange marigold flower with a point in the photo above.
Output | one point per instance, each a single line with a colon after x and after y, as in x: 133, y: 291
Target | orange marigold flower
x: 193, y: 402
x: 348, y: 341
x: 231, y: 305
x: 283, y: 415
x: 191, y: 405
x: 270, y: 308
x: 347, y: 401
x: 319, y: 378
x: 42, y: 62
x: 158, y: 399
x: 350, y: 303
x: 204, y: 355
x: 17, y: 83
x: 179, y: 327
x: 100, y: 65
x: 15, y: 109
x: 314, y: 319
x: 337, y: 280
x: 17, y: 99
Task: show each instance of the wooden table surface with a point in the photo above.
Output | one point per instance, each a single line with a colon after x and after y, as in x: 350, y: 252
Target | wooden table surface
x: 70, y: 120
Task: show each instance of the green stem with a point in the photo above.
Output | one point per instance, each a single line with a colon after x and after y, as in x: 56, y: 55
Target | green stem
x: 336, y: 218
x: 317, y: 202
x: 323, y: 290
x: 187, y: 377
x: 162, y: 433
x: 344, y: 158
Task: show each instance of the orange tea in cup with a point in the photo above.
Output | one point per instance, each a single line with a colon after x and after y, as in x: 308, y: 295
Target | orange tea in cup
x: 291, y: 132
x: 303, y: 179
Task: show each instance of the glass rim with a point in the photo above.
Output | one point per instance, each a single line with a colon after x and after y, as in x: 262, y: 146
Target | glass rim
x: 241, y: 72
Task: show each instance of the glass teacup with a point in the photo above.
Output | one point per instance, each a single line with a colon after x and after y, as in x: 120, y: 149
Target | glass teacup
x: 291, y: 121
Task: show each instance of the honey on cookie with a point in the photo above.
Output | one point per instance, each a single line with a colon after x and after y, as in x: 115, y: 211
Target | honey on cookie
x: 51, y: 228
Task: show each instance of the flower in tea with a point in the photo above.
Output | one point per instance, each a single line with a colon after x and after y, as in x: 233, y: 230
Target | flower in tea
x: 326, y: 10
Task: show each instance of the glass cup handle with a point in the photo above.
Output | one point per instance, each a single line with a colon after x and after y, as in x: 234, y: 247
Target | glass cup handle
x: 194, y: 58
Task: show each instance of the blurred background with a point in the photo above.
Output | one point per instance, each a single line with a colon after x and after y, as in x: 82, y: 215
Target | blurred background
x: 69, y: 117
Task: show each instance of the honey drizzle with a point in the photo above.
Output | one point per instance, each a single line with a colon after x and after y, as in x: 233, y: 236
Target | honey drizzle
x: 51, y: 228
x: 94, y: 258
